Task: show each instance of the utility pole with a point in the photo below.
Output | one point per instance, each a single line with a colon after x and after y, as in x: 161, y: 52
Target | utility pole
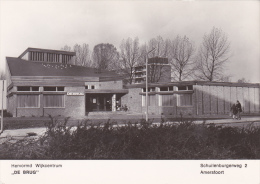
x: 146, y: 84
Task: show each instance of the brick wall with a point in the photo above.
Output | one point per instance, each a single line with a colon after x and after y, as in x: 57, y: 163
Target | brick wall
x: 184, y: 111
x: 74, y: 106
x: 151, y: 110
x: 11, y: 105
x: 167, y: 110
x: 29, y: 112
x: 133, y: 100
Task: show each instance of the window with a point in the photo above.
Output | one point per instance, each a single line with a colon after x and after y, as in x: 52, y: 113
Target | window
x: 181, y: 88
x: 27, y: 88
x: 27, y: 100
x: 91, y: 86
x: 190, y: 87
x: 60, y: 88
x: 185, y: 99
x: 163, y: 88
x: 53, y: 88
x: 53, y: 101
x: 151, y: 89
x: 167, y: 100
x: 169, y: 88
x: 35, y: 88
x: 151, y: 100
x: 49, y: 89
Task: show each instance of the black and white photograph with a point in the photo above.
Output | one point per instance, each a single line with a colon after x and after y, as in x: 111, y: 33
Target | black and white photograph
x: 133, y: 87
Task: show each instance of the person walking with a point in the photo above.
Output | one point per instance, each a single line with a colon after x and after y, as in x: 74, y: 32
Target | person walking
x: 233, y: 110
x: 239, y: 109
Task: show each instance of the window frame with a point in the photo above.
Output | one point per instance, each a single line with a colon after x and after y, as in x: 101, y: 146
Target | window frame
x: 30, y: 88
x: 62, y: 107
x: 169, y: 88
x: 17, y: 99
x: 179, y: 100
x: 187, y: 88
x: 56, y: 88
x: 150, y: 89
x: 161, y: 100
x: 144, y: 103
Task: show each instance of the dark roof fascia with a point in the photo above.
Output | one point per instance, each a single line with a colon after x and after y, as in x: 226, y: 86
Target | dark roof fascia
x: 168, y: 92
x: 105, y: 79
x: 70, y: 78
x: 92, y: 91
x: 47, y: 50
x: 231, y: 84
x: 202, y: 83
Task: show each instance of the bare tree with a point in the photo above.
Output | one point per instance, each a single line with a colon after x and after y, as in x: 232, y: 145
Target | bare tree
x: 182, y: 50
x: 213, y: 54
x: 161, y: 46
x: 66, y: 48
x: 243, y: 80
x: 105, y: 56
x: 130, y: 55
x: 157, y: 70
x: 82, y: 54
x: 225, y: 78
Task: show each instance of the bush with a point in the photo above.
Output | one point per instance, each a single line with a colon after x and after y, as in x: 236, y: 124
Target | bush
x: 141, y: 140
x: 7, y: 114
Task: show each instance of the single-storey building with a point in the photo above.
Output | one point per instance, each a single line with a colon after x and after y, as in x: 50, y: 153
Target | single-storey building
x: 42, y: 82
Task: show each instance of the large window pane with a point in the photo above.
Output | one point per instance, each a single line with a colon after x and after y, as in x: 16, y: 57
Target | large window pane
x: 49, y: 88
x: 28, y: 100
x: 151, y: 100
x: 23, y: 88
x: 185, y: 99
x: 53, y: 100
x: 167, y: 100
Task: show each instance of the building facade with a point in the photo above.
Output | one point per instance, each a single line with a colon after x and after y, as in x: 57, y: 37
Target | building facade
x: 41, y: 82
x: 193, y: 97
x: 37, y: 86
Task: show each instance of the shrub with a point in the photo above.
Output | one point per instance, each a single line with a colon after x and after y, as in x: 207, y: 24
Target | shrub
x: 140, y: 140
x: 7, y: 114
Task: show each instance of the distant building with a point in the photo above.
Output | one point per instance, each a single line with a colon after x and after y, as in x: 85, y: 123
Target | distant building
x: 44, y: 82
x: 47, y: 55
x: 159, y: 70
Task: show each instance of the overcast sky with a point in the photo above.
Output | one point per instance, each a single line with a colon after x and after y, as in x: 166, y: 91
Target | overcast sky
x: 53, y: 24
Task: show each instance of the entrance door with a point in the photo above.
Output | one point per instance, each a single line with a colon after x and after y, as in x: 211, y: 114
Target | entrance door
x: 98, y: 102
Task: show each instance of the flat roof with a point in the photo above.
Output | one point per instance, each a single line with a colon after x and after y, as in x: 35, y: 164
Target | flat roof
x: 202, y: 83
x: 47, y: 51
x: 20, y: 67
